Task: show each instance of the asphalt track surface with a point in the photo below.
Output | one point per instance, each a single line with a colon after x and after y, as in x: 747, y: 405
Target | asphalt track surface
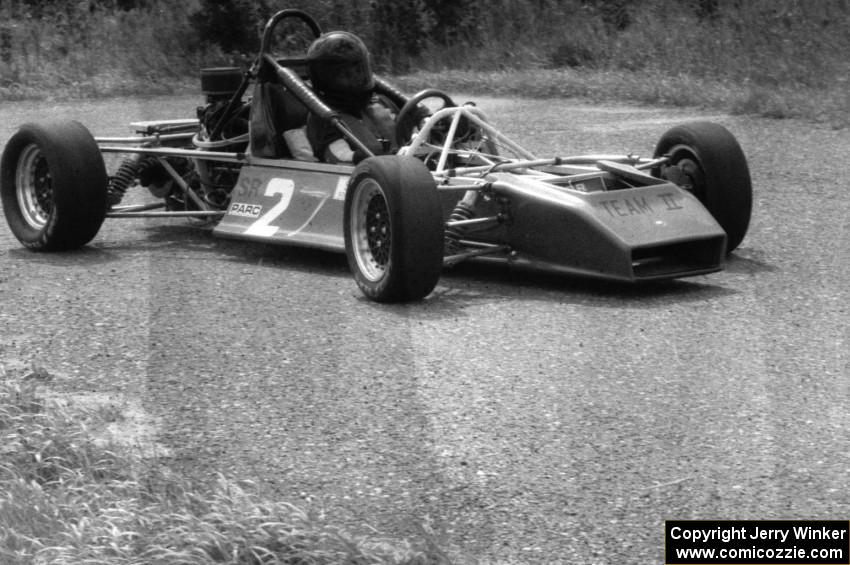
x: 524, y: 418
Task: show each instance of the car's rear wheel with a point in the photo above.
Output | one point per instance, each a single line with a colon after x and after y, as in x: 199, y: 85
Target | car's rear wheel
x: 706, y: 160
x: 393, y: 229
x: 53, y: 186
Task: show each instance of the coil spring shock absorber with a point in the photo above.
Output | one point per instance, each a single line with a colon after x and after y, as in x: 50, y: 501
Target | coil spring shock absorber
x: 463, y: 210
x: 124, y: 176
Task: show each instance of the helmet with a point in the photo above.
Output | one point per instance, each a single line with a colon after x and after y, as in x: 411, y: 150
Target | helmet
x: 340, y: 69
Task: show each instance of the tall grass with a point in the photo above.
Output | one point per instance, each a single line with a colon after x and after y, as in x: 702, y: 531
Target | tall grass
x: 775, y: 57
x: 87, y: 52
x: 68, y: 497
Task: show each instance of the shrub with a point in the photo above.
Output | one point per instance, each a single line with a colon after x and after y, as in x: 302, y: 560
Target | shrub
x: 231, y: 25
x: 572, y: 53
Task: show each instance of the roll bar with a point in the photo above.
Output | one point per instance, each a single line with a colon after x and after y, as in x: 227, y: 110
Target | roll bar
x: 282, y: 15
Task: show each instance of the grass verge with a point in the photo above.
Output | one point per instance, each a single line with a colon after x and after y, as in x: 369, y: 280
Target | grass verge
x: 828, y: 106
x: 67, y: 496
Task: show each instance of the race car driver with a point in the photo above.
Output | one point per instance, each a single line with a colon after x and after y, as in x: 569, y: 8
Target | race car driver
x: 340, y: 71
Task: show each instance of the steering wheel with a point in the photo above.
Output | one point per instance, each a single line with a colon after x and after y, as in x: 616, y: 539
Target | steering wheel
x: 412, y: 113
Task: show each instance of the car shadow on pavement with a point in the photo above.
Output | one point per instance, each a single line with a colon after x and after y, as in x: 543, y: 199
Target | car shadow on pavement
x: 200, y: 240
x: 458, y: 285
x: 530, y: 284
x: 465, y: 285
x: 747, y: 261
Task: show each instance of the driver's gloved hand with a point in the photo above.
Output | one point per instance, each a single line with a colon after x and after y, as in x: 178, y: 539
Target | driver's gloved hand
x: 422, y: 113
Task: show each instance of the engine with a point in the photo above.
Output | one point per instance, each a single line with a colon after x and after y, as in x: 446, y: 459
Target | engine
x: 223, y: 121
x: 224, y: 127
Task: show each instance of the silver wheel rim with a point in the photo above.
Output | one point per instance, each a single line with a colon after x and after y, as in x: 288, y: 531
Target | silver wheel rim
x: 371, y: 233
x: 34, y: 187
x: 689, y: 164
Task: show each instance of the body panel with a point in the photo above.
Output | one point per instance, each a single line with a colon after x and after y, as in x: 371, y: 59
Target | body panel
x: 610, y: 234
x: 286, y: 206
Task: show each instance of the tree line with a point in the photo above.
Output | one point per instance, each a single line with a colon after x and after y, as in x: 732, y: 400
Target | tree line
x: 760, y: 40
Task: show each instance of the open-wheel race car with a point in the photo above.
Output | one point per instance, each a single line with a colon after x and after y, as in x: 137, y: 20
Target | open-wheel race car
x: 322, y: 153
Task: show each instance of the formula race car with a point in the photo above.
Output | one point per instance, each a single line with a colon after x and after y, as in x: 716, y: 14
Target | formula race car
x: 322, y: 153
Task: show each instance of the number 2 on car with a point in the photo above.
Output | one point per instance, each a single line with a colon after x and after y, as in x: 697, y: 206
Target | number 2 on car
x: 284, y: 188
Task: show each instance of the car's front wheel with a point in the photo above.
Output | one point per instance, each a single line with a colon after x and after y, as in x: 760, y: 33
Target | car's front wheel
x: 706, y: 159
x: 393, y: 229
x: 53, y: 186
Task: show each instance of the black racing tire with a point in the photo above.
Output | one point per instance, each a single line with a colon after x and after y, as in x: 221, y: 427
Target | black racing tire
x: 53, y: 186
x: 393, y: 224
x: 706, y: 160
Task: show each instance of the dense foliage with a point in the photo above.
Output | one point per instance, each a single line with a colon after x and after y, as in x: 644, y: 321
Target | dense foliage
x: 703, y: 36
x: 120, y: 46
x: 750, y: 39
